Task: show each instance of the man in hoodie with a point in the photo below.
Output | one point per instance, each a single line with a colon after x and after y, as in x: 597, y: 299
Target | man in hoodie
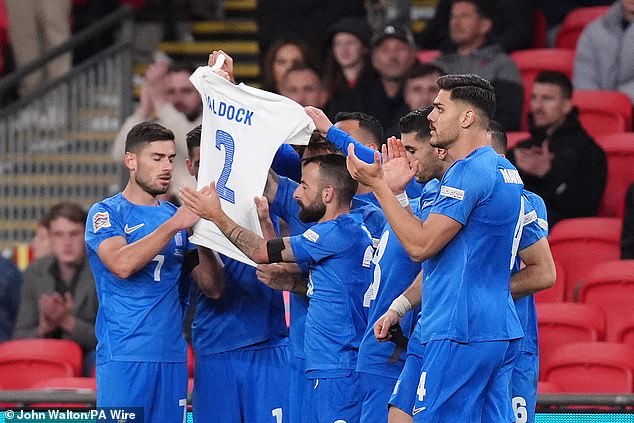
x: 473, y: 50
x: 560, y: 162
x: 605, y: 52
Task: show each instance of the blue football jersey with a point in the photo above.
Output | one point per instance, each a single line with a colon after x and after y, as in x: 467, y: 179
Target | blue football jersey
x: 139, y: 318
x: 466, y: 295
x: 338, y: 255
x: 393, y: 271
x: 247, y: 314
x: 535, y: 228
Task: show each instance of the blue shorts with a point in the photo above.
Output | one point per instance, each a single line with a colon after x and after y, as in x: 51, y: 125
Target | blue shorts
x: 298, y: 390
x: 524, y: 387
x: 334, y: 399
x: 375, y: 391
x: 242, y: 386
x: 404, y: 391
x: 160, y: 388
x: 457, y: 380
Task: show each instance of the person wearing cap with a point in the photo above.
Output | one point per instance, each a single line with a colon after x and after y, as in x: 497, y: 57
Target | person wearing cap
x: 393, y: 54
x: 347, y: 64
x: 473, y: 51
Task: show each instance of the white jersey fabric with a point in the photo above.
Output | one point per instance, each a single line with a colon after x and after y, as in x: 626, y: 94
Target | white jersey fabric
x: 242, y: 128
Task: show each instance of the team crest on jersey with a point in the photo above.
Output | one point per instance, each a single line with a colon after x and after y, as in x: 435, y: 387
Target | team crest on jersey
x: 311, y: 235
x: 100, y: 220
x: 452, y: 192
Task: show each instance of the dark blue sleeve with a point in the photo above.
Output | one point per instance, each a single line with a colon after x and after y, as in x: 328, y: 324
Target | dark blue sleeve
x: 342, y: 140
x: 287, y: 163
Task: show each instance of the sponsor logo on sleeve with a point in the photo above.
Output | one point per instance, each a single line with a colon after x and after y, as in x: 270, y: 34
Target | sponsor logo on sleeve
x: 452, y: 192
x: 100, y: 220
x: 311, y: 235
x: 530, y: 217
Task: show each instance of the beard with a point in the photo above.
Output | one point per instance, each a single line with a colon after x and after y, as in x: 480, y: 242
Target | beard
x: 312, y: 212
x: 152, y: 189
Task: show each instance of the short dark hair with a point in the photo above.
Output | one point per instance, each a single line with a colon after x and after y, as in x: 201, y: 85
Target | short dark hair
x: 416, y: 122
x: 556, y: 78
x: 421, y: 70
x: 333, y: 171
x: 485, y: 8
x: 319, y: 146
x: 66, y: 209
x: 146, y: 132
x: 181, y: 67
x: 471, y: 89
x: 367, y: 122
x: 499, y: 140
x: 193, y: 139
x: 300, y: 66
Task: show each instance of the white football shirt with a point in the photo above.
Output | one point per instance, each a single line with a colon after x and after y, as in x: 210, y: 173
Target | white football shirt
x: 242, y: 129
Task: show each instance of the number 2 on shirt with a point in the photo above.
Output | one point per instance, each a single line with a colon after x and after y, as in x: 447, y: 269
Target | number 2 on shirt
x: 224, y: 192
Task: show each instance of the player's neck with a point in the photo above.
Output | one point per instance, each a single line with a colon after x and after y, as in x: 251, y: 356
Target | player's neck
x: 466, y: 144
x: 334, y: 212
x: 137, y: 195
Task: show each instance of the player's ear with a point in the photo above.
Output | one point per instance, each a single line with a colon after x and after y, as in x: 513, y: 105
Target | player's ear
x: 468, y: 117
x: 327, y: 193
x: 130, y: 160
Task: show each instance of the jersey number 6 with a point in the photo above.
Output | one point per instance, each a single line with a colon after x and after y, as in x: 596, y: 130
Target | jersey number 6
x: 224, y: 192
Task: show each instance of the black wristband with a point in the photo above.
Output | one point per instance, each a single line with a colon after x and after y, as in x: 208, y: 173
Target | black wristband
x: 274, y: 249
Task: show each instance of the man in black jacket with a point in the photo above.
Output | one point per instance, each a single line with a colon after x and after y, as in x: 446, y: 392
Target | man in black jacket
x: 560, y: 162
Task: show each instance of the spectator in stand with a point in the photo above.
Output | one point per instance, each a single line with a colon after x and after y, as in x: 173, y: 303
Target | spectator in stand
x: 420, y: 87
x: 282, y: 55
x: 627, y: 237
x: 512, y: 25
x: 303, y: 85
x: 347, y: 63
x: 35, y: 27
x: 169, y: 98
x: 555, y: 12
x: 58, y: 297
x: 473, y: 50
x: 605, y: 52
x: 10, y: 280
x: 560, y: 162
x: 393, y: 54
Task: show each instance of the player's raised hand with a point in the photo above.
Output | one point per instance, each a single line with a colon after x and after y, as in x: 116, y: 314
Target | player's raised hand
x: 383, y: 325
x: 204, y: 203
x: 370, y: 175
x: 322, y: 123
x: 226, y: 70
x: 185, y: 218
x: 397, y: 170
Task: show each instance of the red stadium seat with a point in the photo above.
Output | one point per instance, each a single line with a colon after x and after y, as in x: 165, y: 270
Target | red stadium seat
x: 592, y: 367
x: 514, y: 138
x: 66, y: 383
x: 625, y: 331
x: 603, y: 111
x: 544, y: 387
x: 611, y: 286
x: 556, y: 293
x: 574, y: 23
x: 580, y: 244
x: 26, y: 361
x: 565, y: 323
x: 426, y: 56
x: 531, y: 62
x: 619, y: 149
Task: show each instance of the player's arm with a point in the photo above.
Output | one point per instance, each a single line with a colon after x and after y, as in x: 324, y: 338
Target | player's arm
x: 410, y: 299
x: 538, y: 273
x: 125, y: 259
x: 206, y: 204
x: 272, y: 183
x: 420, y: 239
x: 283, y: 277
x: 209, y: 274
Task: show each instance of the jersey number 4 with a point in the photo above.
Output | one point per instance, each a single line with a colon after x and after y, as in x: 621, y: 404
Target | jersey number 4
x: 226, y: 140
